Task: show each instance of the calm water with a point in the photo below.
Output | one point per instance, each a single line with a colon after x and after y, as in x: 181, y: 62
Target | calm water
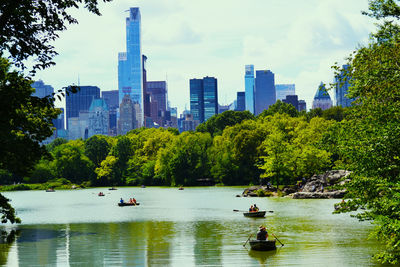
x: 191, y: 227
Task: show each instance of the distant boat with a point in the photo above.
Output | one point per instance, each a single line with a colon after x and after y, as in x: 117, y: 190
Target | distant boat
x: 50, y: 190
x: 128, y: 204
x: 112, y: 188
x: 101, y: 194
x: 180, y: 188
x: 262, y: 245
x: 255, y: 214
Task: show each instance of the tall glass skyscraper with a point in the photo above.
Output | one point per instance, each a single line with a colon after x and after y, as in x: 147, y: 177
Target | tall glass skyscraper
x: 249, y: 87
x: 265, y: 94
x: 203, y: 98
x: 197, y: 99
x: 210, y: 97
x: 130, y: 71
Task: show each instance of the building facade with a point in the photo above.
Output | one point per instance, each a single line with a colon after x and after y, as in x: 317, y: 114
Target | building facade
x: 99, y: 118
x: 249, y: 88
x: 127, y: 116
x: 157, y: 92
x: 112, y: 101
x: 203, y: 98
x: 240, y: 101
x: 210, y: 88
x: 293, y: 100
x: 197, y: 99
x: 283, y: 90
x: 342, y: 89
x: 265, y: 94
x: 322, y: 99
x: 41, y: 89
x: 80, y: 101
x: 302, y: 105
x: 130, y: 67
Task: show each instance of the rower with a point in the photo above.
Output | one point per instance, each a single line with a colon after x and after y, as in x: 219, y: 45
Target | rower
x: 262, y: 233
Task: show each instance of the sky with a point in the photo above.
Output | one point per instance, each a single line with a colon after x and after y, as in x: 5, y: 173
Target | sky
x: 299, y: 41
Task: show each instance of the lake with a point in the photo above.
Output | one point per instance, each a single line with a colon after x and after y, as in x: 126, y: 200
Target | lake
x: 191, y: 227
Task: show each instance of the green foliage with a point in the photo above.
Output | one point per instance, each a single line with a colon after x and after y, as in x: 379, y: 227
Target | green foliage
x: 43, y: 172
x: 58, y: 141
x: 281, y: 108
x: 29, y: 28
x: 370, y: 140
x: 71, y: 163
x: 97, y: 149
x: 217, y: 123
x: 185, y: 160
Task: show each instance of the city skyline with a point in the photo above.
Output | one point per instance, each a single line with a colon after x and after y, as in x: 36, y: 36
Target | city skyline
x: 299, y: 47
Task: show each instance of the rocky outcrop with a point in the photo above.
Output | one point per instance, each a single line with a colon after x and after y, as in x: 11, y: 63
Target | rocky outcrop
x: 318, y: 186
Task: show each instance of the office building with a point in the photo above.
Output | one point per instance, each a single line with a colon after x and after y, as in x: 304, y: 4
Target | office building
x: 41, y: 89
x: 302, y: 105
x: 283, y: 90
x: 112, y: 100
x: 265, y: 94
x: 157, y: 93
x: 342, y: 89
x: 203, y: 98
x: 99, y: 118
x: 249, y: 88
x: 130, y: 67
x: 293, y: 100
x: 322, y: 98
x: 80, y: 101
x: 197, y: 99
x: 210, y: 97
x: 240, y: 101
x: 127, y: 117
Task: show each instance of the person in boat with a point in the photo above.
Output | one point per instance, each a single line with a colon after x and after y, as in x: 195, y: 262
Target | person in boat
x: 121, y: 200
x: 255, y: 208
x: 251, y: 208
x: 262, y: 233
x: 134, y: 200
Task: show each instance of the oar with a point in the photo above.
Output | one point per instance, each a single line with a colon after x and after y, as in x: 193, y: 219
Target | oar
x: 247, y: 240
x: 248, y: 211
x: 278, y: 240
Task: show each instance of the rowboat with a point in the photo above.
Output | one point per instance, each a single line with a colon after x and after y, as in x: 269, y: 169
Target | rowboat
x: 112, y: 188
x: 262, y: 245
x: 128, y: 204
x: 257, y: 214
x: 50, y: 190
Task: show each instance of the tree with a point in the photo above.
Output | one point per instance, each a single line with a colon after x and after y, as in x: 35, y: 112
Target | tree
x: 28, y: 28
x: 370, y: 141
x: 281, y: 108
x: 217, y: 123
x: 97, y: 148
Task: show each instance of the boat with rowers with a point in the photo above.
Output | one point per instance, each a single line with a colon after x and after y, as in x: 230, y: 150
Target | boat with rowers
x: 255, y: 214
x: 128, y: 204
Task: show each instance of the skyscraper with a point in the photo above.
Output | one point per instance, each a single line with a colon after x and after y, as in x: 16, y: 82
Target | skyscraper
x: 240, y: 101
x: 293, y: 100
x: 157, y: 90
x: 197, y: 99
x: 203, y: 98
x: 127, y: 118
x: 80, y: 101
x: 210, y: 97
x: 265, y: 94
x: 283, y: 90
x: 249, y: 87
x: 130, y: 67
x: 341, y: 90
x: 41, y: 89
x: 112, y: 101
x: 322, y: 98
x: 99, y: 118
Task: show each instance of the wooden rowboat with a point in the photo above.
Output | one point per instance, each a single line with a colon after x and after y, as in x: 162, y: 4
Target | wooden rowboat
x: 256, y: 214
x: 262, y: 245
x: 128, y: 204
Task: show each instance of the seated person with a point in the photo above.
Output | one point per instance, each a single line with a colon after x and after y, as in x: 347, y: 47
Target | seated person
x: 251, y: 208
x: 255, y: 208
x: 262, y: 233
x: 133, y: 200
x: 121, y: 200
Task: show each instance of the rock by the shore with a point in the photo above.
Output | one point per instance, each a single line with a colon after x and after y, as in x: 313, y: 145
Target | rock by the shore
x: 318, y: 186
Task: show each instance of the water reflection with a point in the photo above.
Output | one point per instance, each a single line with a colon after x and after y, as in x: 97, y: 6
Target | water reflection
x: 7, y: 239
x: 261, y: 256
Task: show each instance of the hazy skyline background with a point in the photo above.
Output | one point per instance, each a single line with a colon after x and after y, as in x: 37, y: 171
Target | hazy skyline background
x: 297, y: 40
